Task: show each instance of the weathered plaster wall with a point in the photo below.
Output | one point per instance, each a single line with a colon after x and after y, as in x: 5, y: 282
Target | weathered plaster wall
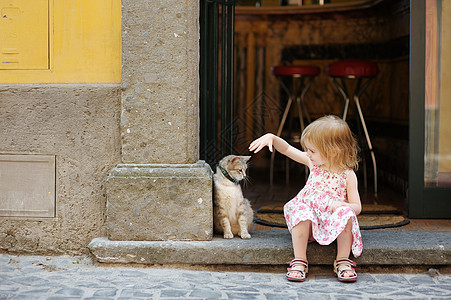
x: 80, y: 125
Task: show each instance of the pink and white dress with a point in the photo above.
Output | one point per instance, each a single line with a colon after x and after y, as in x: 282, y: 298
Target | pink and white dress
x: 312, y: 203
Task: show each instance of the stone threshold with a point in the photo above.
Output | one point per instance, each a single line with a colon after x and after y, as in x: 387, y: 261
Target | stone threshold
x: 430, y: 248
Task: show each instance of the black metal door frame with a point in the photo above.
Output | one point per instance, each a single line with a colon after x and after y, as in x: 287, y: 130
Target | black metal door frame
x: 217, y: 26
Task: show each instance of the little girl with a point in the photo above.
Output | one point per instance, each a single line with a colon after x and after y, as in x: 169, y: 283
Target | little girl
x: 326, y: 208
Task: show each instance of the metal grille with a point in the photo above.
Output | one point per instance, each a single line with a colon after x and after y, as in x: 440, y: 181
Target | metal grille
x: 217, y: 18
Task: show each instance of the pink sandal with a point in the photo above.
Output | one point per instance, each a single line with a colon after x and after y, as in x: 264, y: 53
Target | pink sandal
x: 295, y: 266
x: 343, y: 265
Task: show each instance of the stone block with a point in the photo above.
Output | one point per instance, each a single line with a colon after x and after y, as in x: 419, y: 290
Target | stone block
x: 159, y: 202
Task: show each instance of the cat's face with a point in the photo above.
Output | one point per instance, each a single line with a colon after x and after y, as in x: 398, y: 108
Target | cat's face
x: 236, y: 166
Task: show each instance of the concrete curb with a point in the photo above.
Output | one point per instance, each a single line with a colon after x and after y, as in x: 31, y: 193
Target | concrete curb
x: 274, y: 248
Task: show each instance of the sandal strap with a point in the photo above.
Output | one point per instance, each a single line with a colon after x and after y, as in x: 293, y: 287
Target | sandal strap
x: 346, y: 261
x: 345, y: 268
x: 344, y: 264
x: 298, y: 262
x: 302, y: 274
x: 296, y: 270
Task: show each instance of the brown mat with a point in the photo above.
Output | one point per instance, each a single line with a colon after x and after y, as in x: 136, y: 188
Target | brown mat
x: 372, y: 217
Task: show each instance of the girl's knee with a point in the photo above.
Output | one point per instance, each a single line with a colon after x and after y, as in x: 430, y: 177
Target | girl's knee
x: 303, y: 227
x: 303, y: 224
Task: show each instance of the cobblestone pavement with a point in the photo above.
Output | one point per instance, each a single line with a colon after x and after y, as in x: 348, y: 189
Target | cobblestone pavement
x: 65, y: 277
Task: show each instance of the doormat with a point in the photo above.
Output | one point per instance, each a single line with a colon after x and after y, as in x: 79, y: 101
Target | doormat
x: 371, y: 217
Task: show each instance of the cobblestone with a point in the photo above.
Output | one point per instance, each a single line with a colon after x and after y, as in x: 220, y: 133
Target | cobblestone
x: 64, y: 277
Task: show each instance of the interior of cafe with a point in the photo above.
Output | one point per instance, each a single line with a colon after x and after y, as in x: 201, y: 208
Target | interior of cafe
x: 292, y: 64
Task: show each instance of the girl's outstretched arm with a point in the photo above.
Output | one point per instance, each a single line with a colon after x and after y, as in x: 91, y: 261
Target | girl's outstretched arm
x: 272, y: 141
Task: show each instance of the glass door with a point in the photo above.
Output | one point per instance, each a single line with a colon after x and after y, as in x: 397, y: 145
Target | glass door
x: 430, y: 110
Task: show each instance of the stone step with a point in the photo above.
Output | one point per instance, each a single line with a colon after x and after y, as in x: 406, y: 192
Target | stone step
x: 274, y: 247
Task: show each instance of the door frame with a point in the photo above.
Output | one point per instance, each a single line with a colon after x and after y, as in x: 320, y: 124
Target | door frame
x: 424, y: 202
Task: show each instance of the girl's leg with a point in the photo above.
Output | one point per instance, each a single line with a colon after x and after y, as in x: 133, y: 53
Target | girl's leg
x: 344, y: 244
x: 300, y: 235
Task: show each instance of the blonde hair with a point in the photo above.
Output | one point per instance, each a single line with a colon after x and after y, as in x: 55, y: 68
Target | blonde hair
x: 334, y: 141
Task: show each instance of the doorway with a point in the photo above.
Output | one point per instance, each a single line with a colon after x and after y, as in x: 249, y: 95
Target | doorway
x: 377, y: 30
x: 268, y: 36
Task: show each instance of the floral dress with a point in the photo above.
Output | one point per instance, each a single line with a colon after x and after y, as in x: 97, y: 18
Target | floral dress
x: 312, y: 203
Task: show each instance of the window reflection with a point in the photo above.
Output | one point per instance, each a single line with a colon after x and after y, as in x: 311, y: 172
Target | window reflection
x: 437, y: 95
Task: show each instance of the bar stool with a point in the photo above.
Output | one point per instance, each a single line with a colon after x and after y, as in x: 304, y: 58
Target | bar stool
x: 305, y: 75
x: 363, y: 71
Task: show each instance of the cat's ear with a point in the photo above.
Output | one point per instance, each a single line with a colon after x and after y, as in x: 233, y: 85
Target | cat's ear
x: 246, y: 158
x: 234, y: 158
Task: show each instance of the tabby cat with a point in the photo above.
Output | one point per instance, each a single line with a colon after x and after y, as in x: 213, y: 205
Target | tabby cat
x: 232, y: 212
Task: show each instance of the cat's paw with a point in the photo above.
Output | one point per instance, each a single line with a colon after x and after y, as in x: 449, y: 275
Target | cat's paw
x: 245, y: 235
x: 228, y: 235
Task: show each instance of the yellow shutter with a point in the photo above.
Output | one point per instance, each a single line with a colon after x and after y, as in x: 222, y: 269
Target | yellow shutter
x: 24, y: 34
x: 60, y: 41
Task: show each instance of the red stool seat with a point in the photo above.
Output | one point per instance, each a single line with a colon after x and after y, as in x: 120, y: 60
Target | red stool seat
x: 295, y: 70
x: 353, y: 68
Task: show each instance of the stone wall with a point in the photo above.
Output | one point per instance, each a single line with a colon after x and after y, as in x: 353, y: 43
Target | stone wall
x: 161, y: 191
x: 160, y: 81
x: 149, y: 120
x: 79, y: 124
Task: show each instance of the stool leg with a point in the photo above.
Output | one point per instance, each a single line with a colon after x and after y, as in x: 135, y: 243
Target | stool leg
x: 343, y: 93
x: 304, y: 90
x: 307, y: 114
x: 370, y: 146
x: 363, y: 162
x: 357, y: 92
x: 301, y: 102
x: 301, y: 115
x: 279, y: 132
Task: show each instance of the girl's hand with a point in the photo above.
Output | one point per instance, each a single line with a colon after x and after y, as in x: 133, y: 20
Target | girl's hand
x: 277, y: 143
x: 261, y: 142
